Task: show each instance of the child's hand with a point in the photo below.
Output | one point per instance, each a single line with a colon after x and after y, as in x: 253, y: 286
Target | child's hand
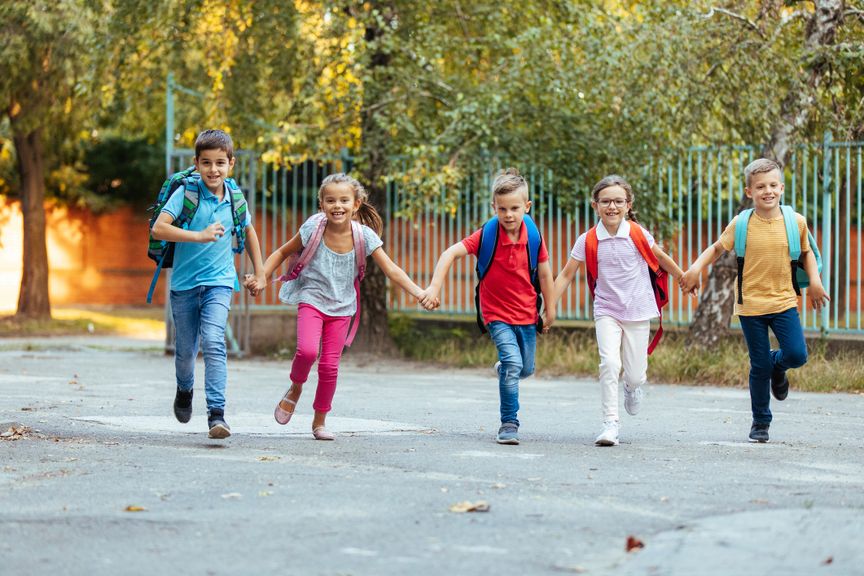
x: 817, y: 296
x: 429, y: 298
x: 689, y: 281
x: 548, y: 320
x: 212, y: 233
x: 254, y: 284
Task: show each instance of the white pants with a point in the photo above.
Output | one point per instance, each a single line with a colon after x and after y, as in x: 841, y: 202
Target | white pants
x: 621, y: 345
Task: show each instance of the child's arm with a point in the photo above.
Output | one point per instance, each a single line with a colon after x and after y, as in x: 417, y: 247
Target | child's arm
x: 395, y: 273
x: 690, y: 280
x: 446, y: 259
x: 163, y: 229
x: 253, y: 248
x: 670, y: 266
x: 564, y: 279
x: 547, y: 288
x: 816, y: 293
x: 273, y: 261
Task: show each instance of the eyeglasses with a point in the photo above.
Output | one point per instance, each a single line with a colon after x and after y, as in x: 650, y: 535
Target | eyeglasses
x: 606, y: 202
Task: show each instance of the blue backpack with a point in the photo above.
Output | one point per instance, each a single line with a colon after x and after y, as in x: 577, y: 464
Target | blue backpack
x: 799, y: 274
x: 486, y: 254
x: 161, y: 251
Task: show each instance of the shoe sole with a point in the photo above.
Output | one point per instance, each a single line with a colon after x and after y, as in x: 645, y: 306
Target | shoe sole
x: 606, y: 443
x: 752, y: 441
x: 183, y: 418
x: 219, y: 432
x: 511, y: 441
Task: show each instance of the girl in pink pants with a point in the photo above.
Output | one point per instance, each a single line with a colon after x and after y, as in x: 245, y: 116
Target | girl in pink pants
x: 326, y: 292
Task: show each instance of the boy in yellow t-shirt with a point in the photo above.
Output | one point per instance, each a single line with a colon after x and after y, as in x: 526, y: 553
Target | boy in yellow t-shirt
x: 767, y: 298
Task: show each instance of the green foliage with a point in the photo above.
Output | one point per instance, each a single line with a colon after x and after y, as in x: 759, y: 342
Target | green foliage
x: 124, y: 171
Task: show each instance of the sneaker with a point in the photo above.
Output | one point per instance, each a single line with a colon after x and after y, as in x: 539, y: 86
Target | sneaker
x: 633, y: 400
x: 508, y: 433
x: 497, y: 368
x: 609, y: 436
x: 779, y: 384
x: 219, y: 429
x: 183, y: 405
x: 759, y: 433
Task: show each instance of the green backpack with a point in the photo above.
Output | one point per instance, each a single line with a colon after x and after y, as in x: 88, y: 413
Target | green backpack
x: 799, y: 274
x: 161, y: 251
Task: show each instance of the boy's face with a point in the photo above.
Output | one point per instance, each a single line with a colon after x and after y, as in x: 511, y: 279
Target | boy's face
x: 214, y: 166
x: 612, y: 206
x: 765, y: 189
x: 511, y: 209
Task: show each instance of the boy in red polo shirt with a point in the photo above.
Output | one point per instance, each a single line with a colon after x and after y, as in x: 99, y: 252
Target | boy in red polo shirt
x: 508, y: 299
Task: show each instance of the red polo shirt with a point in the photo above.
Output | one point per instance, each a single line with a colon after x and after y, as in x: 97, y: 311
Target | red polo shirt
x: 506, y: 293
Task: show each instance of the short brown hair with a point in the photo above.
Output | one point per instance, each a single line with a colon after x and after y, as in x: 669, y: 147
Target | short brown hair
x: 214, y: 140
x: 509, y: 180
x: 760, y: 166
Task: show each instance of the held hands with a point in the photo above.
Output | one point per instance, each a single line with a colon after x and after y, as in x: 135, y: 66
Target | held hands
x: 212, y: 233
x: 254, y: 284
x: 548, y: 320
x: 429, y: 298
x: 689, y: 281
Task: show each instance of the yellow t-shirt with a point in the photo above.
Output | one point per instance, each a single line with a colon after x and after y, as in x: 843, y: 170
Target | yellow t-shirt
x: 767, y: 282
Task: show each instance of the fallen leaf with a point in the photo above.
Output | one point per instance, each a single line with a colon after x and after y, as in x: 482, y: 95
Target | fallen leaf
x: 135, y: 509
x: 265, y: 493
x: 634, y: 543
x: 466, y: 506
x: 269, y: 458
x: 828, y: 560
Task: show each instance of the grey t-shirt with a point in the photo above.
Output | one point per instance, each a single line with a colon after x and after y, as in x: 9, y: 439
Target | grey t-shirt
x: 327, y: 282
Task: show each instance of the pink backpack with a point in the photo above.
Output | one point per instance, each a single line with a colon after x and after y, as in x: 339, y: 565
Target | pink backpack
x: 297, y: 262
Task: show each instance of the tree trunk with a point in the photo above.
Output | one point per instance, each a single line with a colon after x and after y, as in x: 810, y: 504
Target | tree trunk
x: 374, y: 333
x: 33, y: 299
x: 718, y: 298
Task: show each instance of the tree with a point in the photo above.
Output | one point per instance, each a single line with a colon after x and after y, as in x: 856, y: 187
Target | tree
x: 44, y: 49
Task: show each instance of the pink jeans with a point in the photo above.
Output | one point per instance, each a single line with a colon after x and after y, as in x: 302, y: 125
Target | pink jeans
x: 316, y: 329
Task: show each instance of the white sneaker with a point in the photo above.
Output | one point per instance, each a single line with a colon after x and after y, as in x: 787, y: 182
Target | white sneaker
x: 497, y: 368
x: 609, y: 436
x: 633, y: 400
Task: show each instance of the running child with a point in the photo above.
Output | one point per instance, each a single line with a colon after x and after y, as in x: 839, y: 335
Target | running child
x: 766, y: 291
x: 327, y: 290
x: 614, y: 252
x: 507, y: 297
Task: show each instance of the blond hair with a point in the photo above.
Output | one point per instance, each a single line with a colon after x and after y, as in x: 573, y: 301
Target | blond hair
x: 760, y: 166
x: 509, y: 180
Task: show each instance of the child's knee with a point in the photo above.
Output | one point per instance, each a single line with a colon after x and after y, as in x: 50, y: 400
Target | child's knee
x: 795, y: 358
x: 526, y: 371
x: 610, y: 365
x: 512, y: 368
x: 306, y: 354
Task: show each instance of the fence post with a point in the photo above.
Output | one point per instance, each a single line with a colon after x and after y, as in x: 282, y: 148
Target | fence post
x: 169, y: 122
x: 826, y: 223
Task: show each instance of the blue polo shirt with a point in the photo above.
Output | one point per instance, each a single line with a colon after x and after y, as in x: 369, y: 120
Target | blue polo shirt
x: 210, y: 263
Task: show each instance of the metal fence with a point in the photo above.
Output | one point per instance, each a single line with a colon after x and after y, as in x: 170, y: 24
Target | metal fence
x: 698, y: 192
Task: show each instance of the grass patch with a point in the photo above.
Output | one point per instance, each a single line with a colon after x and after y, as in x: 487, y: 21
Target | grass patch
x: 575, y: 353
x: 139, y: 322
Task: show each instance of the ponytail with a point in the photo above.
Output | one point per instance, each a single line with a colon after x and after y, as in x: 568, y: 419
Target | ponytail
x: 631, y: 215
x: 368, y: 216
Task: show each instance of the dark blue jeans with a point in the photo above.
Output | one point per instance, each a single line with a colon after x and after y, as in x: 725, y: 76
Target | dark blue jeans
x: 516, y: 345
x: 763, y: 361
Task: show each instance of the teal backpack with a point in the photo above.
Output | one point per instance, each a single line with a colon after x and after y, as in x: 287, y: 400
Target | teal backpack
x: 799, y: 274
x: 161, y: 251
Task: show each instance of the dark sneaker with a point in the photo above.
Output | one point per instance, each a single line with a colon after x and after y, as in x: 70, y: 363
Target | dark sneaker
x: 219, y: 429
x: 508, y: 433
x: 759, y: 433
x: 779, y: 384
x: 183, y: 405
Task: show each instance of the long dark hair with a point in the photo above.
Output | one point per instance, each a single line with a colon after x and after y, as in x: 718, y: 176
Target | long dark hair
x: 615, y: 180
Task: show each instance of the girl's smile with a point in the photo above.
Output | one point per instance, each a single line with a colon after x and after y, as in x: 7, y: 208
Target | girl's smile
x: 612, y: 206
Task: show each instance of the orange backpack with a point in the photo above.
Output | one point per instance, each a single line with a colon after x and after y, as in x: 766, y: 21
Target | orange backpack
x: 659, y: 277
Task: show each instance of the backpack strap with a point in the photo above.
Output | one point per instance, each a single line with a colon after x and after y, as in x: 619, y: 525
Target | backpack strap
x: 535, y: 240
x: 591, y: 243
x: 298, y: 262
x: 741, y: 222
x: 238, y: 214
x: 360, y: 262
x: 793, y: 237
x: 659, y: 278
x: 485, y: 254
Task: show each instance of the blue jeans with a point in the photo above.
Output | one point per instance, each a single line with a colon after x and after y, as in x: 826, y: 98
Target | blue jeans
x: 763, y: 361
x: 201, y: 314
x: 516, y: 345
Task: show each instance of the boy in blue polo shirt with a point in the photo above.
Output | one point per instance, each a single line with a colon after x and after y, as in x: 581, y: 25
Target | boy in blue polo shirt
x: 204, y: 278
